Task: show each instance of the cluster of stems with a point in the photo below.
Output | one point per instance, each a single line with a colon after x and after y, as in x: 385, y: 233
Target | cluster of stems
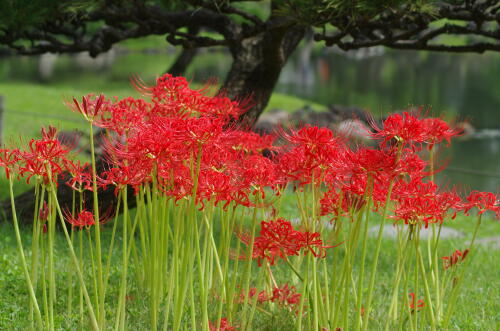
x: 197, y: 264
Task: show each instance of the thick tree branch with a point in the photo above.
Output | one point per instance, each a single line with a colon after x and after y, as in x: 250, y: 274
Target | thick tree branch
x: 406, y: 29
x: 65, y: 36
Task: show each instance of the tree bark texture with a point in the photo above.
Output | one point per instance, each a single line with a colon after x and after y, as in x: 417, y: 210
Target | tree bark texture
x: 256, y: 67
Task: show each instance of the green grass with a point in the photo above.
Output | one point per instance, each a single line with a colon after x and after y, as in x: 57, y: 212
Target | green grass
x: 476, y: 309
x: 32, y: 106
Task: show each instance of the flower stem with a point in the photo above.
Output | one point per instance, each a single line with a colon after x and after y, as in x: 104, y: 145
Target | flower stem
x: 454, y: 294
x: 93, y: 319
x: 31, y: 291
x: 101, y: 313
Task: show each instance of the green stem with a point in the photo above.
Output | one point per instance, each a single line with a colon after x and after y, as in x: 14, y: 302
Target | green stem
x: 31, y: 291
x: 72, y: 236
x: 93, y: 319
x: 101, y: 313
x: 112, y: 242
x: 248, y: 269
x: 400, y: 271
x: 369, y: 187
x: 34, y: 248
x: 455, y: 290
x: 376, y: 256
x: 120, y: 322
x: 428, y: 299
x: 52, y: 285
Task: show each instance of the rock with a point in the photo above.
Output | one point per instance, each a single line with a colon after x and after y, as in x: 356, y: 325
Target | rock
x: 390, y: 232
x: 354, y: 129
x: 490, y: 242
x: 46, y: 64
x: 307, y: 115
x: 345, y: 113
x: 103, y: 60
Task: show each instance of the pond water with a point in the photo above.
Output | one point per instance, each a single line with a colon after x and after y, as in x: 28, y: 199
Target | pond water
x: 458, y: 87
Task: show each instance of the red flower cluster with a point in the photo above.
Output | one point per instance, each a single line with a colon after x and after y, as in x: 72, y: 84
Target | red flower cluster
x: 43, y: 155
x: 182, y: 139
x: 85, y: 219
x: 415, y: 306
x: 8, y: 160
x: 224, y: 326
x: 279, y: 239
x: 409, y: 128
x: 313, y: 152
x: 483, y: 201
x: 284, y: 296
x: 421, y: 202
x: 453, y: 259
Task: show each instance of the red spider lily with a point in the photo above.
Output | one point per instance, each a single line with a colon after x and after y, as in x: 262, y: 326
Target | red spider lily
x: 122, y: 176
x: 438, y: 130
x: 404, y: 126
x: 453, y: 259
x: 86, y: 218
x: 409, y: 128
x: 83, y: 219
x: 261, y: 296
x: 279, y: 239
x: 415, y: 306
x: 81, y: 177
x: 311, y: 136
x: 123, y: 115
x: 257, y: 172
x: 483, y: 201
x: 421, y: 202
x: 9, y: 158
x: 314, y: 151
x: 171, y: 96
x: 285, y: 296
x: 91, y: 107
x: 374, y: 162
x: 248, y: 142
x: 330, y: 203
x: 311, y: 242
x: 42, y: 153
x: 224, y: 326
x: 411, y: 165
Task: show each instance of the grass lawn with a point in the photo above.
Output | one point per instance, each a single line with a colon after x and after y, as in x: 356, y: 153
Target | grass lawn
x: 31, y: 106
x: 477, y: 308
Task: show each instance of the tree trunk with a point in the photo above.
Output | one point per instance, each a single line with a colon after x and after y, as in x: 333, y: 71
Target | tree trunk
x: 257, y: 65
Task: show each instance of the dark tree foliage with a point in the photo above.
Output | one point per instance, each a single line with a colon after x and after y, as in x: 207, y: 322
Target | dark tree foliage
x: 260, y: 35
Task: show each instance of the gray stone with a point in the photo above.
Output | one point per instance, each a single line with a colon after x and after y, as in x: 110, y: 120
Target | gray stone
x: 490, y: 242
x: 390, y: 232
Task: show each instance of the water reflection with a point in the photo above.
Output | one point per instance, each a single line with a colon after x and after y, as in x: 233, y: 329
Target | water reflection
x: 462, y: 85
